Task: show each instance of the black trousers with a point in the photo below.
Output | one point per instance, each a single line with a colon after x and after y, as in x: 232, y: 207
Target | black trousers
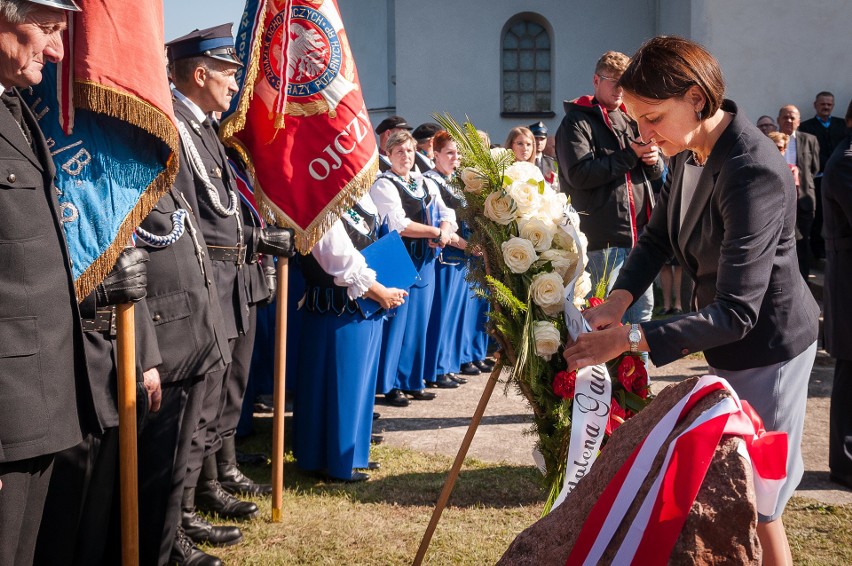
x: 840, y: 422
x: 236, y: 379
x: 22, y: 498
x: 205, y: 441
x: 164, y: 450
x: 804, y: 222
x: 80, y: 525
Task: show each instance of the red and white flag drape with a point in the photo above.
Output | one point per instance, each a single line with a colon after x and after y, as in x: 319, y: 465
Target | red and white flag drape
x: 655, y: 529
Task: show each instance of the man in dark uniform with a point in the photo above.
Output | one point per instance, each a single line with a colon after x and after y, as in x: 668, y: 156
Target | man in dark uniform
x: 203, y: 66
x: 424, y: 158
x: 545, y: 163
x: 44, y: 391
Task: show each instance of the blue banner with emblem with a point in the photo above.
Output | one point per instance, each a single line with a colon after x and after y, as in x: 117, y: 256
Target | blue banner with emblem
x: 104, y: 170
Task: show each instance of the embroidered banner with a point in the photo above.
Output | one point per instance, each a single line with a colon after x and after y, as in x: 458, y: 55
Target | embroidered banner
x: 107, y: 117
x: 300, y: 121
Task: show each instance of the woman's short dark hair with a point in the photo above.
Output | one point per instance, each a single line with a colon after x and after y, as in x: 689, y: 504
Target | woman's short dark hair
x: 667, y: 66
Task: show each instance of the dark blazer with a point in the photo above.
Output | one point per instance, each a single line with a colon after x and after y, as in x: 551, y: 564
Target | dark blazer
x: 44, y: 389
x: 737, y: 243
x: 837, y: 227
x: 183, y: 302
x: 217, y: 230
x: 807, y: 159
x: 827, y: 138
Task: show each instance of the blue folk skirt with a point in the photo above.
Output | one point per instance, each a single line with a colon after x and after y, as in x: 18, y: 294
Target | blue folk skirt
x: 335, y: 389
x: 444, y: 338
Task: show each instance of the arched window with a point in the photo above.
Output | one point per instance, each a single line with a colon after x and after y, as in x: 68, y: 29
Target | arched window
x: 526, y: 66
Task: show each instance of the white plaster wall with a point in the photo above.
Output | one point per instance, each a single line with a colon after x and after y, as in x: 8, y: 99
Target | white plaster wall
x: 366, y: 23
x: 774, y: 53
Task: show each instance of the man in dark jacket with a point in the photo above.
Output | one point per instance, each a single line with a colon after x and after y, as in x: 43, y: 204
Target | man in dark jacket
x: 44, y: 391
x: 607, y: 171
x: 829, y: 132
x: 837, y: 207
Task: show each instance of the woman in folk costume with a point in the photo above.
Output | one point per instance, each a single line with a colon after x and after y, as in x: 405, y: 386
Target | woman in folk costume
x: 455, y: 309
x: 415, y: 209
x: 336, y: 382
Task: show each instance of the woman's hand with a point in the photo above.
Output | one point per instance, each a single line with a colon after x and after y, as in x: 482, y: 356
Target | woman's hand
x: 387, y: 297
x: 592, y: 348
x: 609, y: 313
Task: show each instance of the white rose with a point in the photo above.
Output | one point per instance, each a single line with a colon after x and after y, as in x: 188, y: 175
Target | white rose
x: 526, y: 197
x: 547, y: 339
x: 581, y: 289
x: 500, y: 208
x: 473, y: 180
x: 564, y: 262
x: 524, y: 171
x: 537, y: 231
x: 519, y: 254
x: 553, y: 205
x: 548, y: 292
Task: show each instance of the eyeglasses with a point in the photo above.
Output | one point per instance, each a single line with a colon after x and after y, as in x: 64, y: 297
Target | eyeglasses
x: 612, y: 80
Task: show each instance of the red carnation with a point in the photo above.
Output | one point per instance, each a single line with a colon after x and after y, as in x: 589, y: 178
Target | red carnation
x: 595, y: 301
x: 633, y: 375
x: 564, y: 383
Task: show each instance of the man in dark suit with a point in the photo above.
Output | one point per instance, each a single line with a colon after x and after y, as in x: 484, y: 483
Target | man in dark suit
x: 44, y: 391
x: 203, y: 66
x: 802, y: 151
x: 829, y: 132
x: 837, y: 203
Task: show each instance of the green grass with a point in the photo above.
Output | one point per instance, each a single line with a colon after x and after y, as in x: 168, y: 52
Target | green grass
x: 381, y: 521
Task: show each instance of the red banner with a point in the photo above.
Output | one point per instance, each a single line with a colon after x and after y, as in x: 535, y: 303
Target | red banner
x: 301, y: 121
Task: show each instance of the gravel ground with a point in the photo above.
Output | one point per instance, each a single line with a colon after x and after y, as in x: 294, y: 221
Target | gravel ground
x: 438, y: 426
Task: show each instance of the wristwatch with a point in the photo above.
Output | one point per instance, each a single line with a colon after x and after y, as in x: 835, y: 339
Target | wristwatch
x: 634, y: 336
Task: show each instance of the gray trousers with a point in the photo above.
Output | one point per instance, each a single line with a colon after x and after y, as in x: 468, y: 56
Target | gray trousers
x: 779, y: 394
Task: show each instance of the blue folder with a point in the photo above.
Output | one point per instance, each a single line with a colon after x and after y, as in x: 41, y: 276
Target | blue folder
x: 393, y: 267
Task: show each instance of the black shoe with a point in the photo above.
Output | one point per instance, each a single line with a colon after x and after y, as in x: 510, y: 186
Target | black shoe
x: 376, y: 439
x: 235, y: 482
x: 457, y: 378
x: 211, y: 498
x: 420, y: 395
x: 443, y: 382
x: 469, y: 369
x: 376, y: 416
x: 490, y: 362
x: 482, y: 366
x: 354, y: 478
x: 841, y: 479
x: 253, y: 458
x: 396, y: 398
x: 185, y: 553
x: 200, y: 531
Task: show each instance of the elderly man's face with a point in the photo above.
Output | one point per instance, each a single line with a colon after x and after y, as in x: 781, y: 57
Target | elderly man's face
x: 25, y: 47
x: 788, y: 120
x: 823, y: 106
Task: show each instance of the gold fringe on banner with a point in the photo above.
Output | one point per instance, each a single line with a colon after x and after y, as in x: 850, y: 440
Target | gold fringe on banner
x: 237, y: 121
x: 306, y: 238
x: 143, y: 115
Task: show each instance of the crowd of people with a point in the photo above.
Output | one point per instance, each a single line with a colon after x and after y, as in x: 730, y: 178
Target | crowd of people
x: 668, y: 176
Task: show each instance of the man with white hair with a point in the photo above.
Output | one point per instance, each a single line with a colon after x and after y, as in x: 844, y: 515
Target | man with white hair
x: 44, y: 391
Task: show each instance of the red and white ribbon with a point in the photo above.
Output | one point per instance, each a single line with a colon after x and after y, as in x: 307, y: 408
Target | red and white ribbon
x: 654, y: 531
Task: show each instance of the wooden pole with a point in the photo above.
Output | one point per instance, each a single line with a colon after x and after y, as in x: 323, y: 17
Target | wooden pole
x: 278, y: 402
x: 126, y: 344
x: 454, y: 471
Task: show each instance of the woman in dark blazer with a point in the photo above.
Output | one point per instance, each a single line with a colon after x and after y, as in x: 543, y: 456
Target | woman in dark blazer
x: 727, y: 212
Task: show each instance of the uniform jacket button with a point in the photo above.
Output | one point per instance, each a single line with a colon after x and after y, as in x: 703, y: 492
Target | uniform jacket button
x: 157, y: 317
x: 12, y: 178
x: 685, y: 351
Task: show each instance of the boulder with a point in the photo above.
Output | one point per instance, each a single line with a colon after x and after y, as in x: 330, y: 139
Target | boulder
x: 720, y: 528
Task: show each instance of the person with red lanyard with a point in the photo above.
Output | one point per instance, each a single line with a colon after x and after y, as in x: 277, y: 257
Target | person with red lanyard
x: 607, y: 171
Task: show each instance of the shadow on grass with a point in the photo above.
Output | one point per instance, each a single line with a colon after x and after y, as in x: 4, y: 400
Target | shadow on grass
x: 391, y: 424
x: 406, y: 478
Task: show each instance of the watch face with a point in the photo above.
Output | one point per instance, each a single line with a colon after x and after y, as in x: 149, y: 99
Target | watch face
x: 634, y: 336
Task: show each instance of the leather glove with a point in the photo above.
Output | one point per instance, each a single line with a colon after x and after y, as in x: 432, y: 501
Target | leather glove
x: 274, y: 241
x: 271, y: 276
x: 128, y: 280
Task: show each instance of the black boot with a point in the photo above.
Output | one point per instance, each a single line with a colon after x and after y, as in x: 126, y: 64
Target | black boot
x: 200, y: 531
x: 184, y: 553
x: 211, y: 498
x: 232, y: 479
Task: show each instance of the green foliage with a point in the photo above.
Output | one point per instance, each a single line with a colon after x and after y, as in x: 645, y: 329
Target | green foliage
x: 505, y: 297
